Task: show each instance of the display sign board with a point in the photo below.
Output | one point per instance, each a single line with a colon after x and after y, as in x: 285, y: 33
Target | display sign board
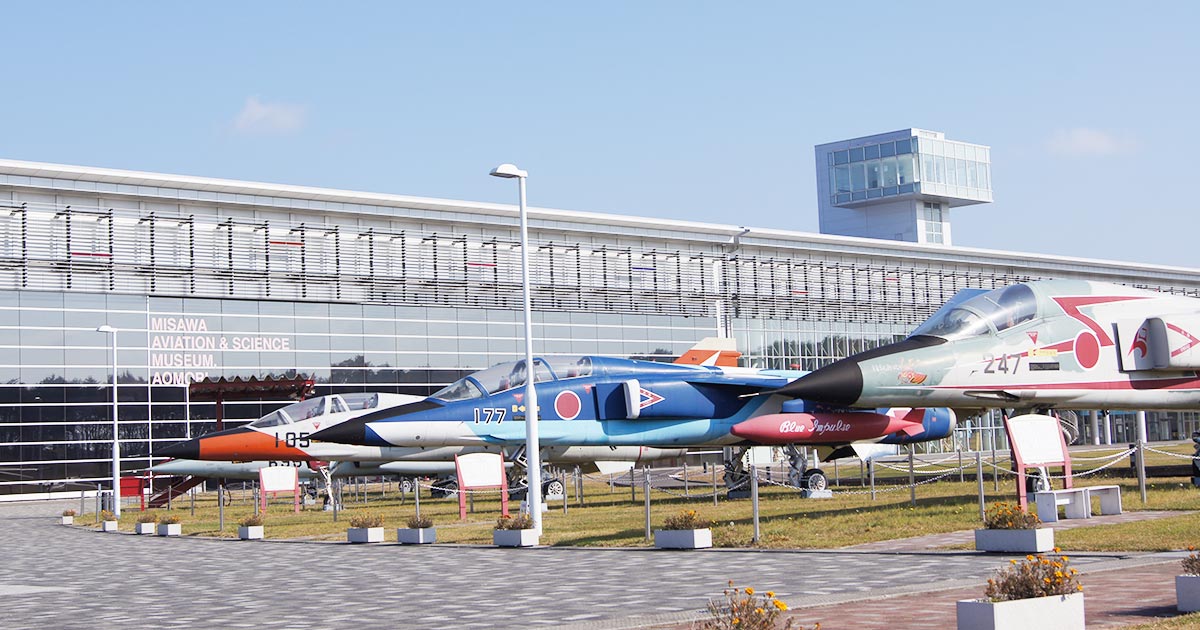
x: 279, y: 479
x: 480, y: 471
x: 1037, y: 440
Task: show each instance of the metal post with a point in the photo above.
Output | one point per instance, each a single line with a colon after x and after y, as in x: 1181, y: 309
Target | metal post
x: 611, y: 486
x: 754, y: 500
x: 82, y: 497
x: 687, y: 490
x: 714, y: 472
x: 97, y: 503
x: 1141, y: 453
x: 646, y: 492
x: 337, y: 498
x: 837, y: 479
x: 579, y: 485
x: 417, y: 496
x: 871, y: 472
x: 912, y: 479
x: 564, y: 483
x: 979, y: 478
x: 220, y: 507
x: 995, y: 468
x: 632, y: 488
x: 862, y: 474
x: 960, y: 466
x: 192, y: 492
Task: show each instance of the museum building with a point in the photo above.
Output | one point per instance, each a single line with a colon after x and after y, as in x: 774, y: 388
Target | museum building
x: 204, y: 277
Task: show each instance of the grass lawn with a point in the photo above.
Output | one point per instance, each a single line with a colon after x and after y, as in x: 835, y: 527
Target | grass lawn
x: 786, y: 520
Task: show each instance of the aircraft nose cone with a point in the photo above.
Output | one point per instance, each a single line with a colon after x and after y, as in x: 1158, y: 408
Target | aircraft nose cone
x: 181, y: 450
x: 348, y: 432
x: 839, y: 383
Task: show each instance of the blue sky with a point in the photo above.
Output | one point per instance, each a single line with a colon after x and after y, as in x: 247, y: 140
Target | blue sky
x: 703, y: 111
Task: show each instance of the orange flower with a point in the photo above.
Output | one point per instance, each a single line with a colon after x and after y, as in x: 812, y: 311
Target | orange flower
x: 749, y: 590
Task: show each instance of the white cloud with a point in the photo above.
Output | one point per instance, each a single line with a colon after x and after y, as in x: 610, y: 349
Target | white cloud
x: 1082, y: 141
x: 258, y: 117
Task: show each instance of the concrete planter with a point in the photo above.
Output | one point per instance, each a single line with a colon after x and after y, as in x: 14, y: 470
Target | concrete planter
x: 144, y: 528
x: 1187, y: 593
x: 683, y: 538
x: 108, y: 526
x: 1061, y: 612
x: 514, y: 537
x: 421, y: 536
x: 170, y: 529
x: 1038, y: 540
x: 364, y: 534
x: 67, y: 520
x: 250, y: 532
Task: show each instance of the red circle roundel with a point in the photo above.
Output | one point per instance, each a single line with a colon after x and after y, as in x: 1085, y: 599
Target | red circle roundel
x: 1087, y: 350
x: 567, y: 405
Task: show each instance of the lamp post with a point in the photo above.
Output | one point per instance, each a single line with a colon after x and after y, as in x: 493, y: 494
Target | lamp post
x: 116, y: 449
x: 533, y: 457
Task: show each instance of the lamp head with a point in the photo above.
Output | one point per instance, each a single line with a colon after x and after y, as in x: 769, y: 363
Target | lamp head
x: 509, y: 171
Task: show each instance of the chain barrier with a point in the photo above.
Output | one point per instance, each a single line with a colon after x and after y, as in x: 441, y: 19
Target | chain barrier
x: 1115, y: 459
x: 1178, y: 455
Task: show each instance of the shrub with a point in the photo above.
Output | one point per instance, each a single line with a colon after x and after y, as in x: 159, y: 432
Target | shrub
x: 686, y: 519
x: 1005, y: 515
x: 1035, y: 576
x: 367, y: 520
x: 253, y: 520
x: 744, y: 609
x: 419, y: 522
x: 170, y: 519
x: 520, y: 521
x: 105, y: 515
x: 1191, y: 564
x: 147, y: 517
x: 68, y: 513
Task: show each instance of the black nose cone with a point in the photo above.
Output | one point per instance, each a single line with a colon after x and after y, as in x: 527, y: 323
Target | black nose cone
x: 839, y: 383
x: 181, y: 450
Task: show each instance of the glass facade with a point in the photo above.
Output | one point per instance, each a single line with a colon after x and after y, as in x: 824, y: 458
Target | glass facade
x: 908, y: 166
x: 405, y: 300
x: 873, y: 171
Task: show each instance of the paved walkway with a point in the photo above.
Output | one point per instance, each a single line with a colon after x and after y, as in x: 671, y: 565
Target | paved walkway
x: 69, y: 577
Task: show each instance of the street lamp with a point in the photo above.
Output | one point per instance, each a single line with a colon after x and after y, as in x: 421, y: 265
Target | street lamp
x: 533, y: 456
x: 116, y: 449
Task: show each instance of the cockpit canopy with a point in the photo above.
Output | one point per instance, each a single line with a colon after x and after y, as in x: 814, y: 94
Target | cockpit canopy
x: 981, y: 313
x: 506, y: 376
x: 313, y: 407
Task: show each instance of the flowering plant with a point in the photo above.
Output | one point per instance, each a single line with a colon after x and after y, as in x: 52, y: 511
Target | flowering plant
x: 170, y: 519
x: 1191, y: 564
x: 367, y: 520
x: 1004, y: 515
x: 1035, y: 576
x: 687, y: 519
x: 252, y: 520
x: 743, y: 608
x: 147, y: 517
x: 520, y: 521
x: 106, y: 515
x: 68, y: 513
x: 419, y: 522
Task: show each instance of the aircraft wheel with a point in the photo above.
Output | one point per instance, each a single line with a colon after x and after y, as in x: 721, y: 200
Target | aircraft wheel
x: 814, y: 480
x: 554, y: 486
x: 445, y: 488
x: 406, y: 485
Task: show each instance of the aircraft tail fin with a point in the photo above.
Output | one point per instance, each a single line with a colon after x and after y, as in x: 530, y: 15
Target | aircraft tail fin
x: 715, y: 351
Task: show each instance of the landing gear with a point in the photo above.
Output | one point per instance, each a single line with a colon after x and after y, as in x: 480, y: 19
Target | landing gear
x: 800, y: 475
x: 553, y: 487
x: 444, y: 488
x: 814, y: 479
x: 407, y: 485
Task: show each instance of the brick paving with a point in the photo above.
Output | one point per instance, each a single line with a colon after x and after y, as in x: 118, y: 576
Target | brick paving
x: 69, y: 577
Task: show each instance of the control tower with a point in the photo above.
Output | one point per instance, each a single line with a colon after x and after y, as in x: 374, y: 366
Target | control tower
x: 900, y: 185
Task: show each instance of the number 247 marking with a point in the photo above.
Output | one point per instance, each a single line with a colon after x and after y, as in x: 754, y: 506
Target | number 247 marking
x: 1001, y: 363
